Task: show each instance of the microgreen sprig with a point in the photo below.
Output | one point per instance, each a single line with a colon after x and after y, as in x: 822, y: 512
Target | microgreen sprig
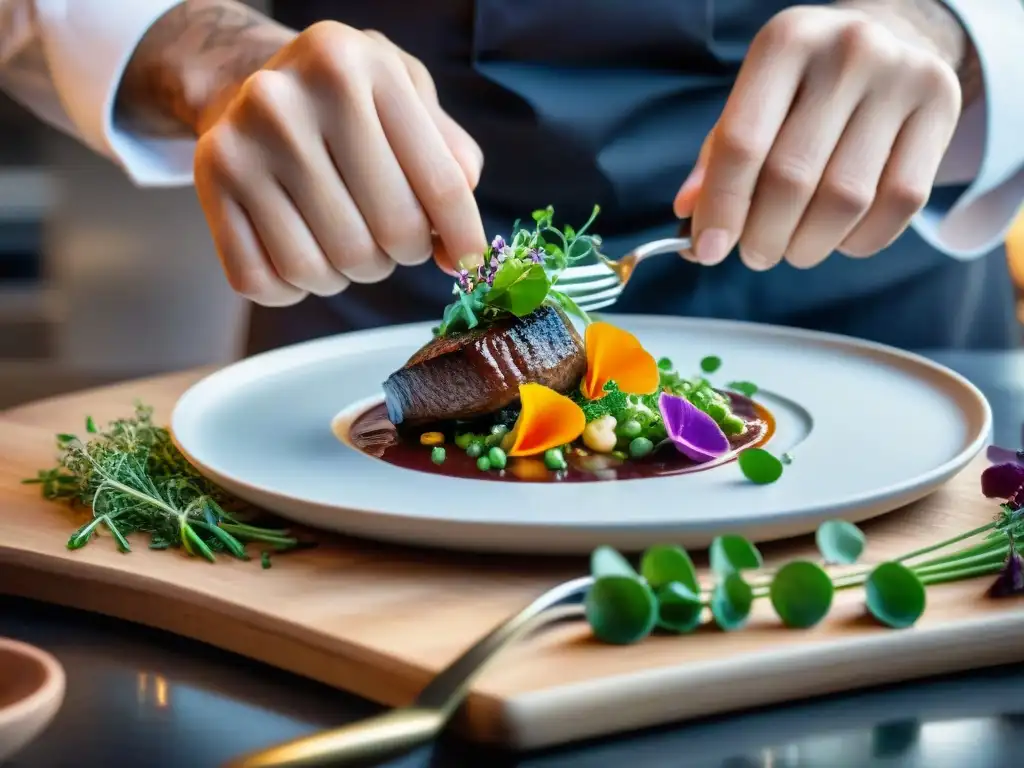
x: 801, y: 592
x: 518, y: 276
x: 134, y: 480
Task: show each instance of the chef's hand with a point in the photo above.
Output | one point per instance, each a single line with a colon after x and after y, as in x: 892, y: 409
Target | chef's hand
x: 830, y: 140
x: 332, y: 164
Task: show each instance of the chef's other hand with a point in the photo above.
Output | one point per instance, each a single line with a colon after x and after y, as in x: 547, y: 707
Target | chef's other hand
x: 830, y: 140
x: 333, y: 164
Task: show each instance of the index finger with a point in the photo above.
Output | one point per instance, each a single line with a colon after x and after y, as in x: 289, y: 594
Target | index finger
x: 434, y: 174
x: 764, y: 92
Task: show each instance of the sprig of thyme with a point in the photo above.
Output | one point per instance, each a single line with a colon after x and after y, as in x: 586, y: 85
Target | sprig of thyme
x: 519, y: 276
x: 134, y: 480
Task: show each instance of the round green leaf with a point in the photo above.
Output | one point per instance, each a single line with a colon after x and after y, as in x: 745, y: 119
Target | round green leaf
x: 801, y: 594
x: 895, y: 595
x: 710, y: 364
x: 621, y: 609
x: 605, y: 561
x: 665, y: 563
x: 759, y: 466
x: 731, y: 553
x: 679, y: 608
x: 840, y: 542
x: 731, y: 602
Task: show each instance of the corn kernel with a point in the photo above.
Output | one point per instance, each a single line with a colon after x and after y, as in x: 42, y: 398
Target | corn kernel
x: 431, y: 438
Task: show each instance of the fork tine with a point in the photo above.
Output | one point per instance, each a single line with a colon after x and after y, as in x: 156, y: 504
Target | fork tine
x: 599, y: 300
x: 590, y: 286
x: 594, y: 306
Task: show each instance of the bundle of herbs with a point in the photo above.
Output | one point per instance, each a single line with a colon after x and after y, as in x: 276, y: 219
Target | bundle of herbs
x: 134, y: 480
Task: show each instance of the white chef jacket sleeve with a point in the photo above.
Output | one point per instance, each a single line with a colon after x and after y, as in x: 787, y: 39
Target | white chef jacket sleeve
x: 980, y: 186
x: 64, y: 60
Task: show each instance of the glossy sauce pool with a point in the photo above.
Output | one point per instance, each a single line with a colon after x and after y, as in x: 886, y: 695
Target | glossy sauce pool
x: 374, y: 434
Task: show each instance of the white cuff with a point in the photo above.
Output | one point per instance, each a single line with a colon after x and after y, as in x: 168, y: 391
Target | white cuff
x: 986, y: 153
x: 88, y: 45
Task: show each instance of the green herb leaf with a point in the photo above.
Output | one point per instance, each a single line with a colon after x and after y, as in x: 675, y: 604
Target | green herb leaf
x: 519, y: 287
x: 732, y: 553
x: 679, y: 608
x: 759, y: 466
x: 747, y: 388
x: 710, y: 364
x: 895, y: 595
x: 665, y: 364
x: 605, y: 561
x: 621, y: 609
x: 666, y: 563
x: 90, y: 425
x: 840, y: 542
x: 801, y: 594
x: 568, y: 304
x: 731, y: 602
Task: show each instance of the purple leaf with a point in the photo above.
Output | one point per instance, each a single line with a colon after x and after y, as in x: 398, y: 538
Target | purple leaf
x: 998, y: 455
x: 1001, y: 481
x: 1010, y: 581
x: 693, y: 432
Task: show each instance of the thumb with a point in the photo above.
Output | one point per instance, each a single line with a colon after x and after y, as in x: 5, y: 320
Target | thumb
x: 686, y: 197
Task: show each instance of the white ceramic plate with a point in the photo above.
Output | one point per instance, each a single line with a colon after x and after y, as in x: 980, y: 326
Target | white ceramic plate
x: 870, y: 429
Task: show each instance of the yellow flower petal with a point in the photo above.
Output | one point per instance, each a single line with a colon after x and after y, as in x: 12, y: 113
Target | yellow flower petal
x: 617, y: 355
x: 547, y: 420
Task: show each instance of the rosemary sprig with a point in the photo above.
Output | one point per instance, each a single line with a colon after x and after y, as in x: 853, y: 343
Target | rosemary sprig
x: 134, y: 480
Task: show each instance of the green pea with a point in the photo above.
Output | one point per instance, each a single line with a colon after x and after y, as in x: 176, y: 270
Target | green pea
x: 463, y: 440
x: 498, y: 432
x: 475, y: 449
x: 499, y: 429
x: 496, y: 458
x: 640, y: 447
x: 554, y: 459
x: 717, y: 411
x: 620, y: 455
x: 483, y: 464
x: 630, y: 428
x: 438, y: 454
x: 733, y: 425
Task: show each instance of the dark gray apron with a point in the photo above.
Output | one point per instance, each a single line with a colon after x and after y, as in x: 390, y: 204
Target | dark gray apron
x: 579, y: 102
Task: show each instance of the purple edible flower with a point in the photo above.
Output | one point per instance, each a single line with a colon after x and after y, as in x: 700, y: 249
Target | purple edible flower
x: 498, y: 243
x: 536, y: 256
x: 464, y: 280
x: 1010, y: 581
x: 1005, y: 478
x: 694, y: 433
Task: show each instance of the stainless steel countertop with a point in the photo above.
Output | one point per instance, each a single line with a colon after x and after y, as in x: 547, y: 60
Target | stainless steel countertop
x: 138, y: 697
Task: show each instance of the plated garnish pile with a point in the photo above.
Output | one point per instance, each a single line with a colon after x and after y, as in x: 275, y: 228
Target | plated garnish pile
x: 508, y: 383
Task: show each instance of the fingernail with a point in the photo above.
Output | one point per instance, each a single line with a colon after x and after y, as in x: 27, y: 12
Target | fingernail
x: 712, y: 246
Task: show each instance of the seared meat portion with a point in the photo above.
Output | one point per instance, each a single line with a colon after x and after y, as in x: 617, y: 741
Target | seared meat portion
x: 471, y: 374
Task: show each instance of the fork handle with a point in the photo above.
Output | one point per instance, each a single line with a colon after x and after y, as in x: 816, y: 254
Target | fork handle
x: 368, y: 742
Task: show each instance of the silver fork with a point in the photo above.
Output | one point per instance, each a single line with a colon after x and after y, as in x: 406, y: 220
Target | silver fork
x: 596, y: 286
x: 400, y: 731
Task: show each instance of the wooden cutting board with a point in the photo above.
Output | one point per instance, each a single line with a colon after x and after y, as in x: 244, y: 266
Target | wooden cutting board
x: 380, y: 620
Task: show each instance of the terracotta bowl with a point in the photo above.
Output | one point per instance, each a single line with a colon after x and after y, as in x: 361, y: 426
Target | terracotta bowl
x: 31, y: 692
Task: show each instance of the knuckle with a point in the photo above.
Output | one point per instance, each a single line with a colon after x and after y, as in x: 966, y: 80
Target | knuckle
x: 738, y: 144
x: 904, y: 196
x: 790, y: 175
x: 322, y: 40
x: 786, y: 30
x: 863, y: 39
x: 846, y: 196
x: 217, y: 154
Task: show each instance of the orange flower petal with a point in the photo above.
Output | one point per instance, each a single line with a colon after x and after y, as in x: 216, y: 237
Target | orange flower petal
x: 547, y: 420
x: 617, y: 355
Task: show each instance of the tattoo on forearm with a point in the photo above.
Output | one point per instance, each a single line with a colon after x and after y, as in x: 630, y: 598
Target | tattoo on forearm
x: 194, y: 52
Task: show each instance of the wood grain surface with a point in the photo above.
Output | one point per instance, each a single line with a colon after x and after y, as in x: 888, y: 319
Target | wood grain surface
x: 380, y: 620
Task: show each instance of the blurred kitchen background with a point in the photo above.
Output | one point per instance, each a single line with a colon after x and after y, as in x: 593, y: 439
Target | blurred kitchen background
x: 101, y: 282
